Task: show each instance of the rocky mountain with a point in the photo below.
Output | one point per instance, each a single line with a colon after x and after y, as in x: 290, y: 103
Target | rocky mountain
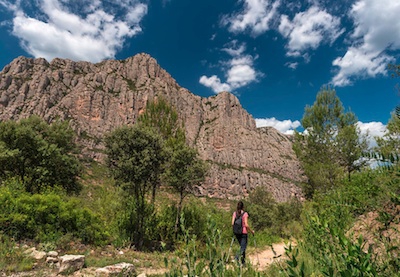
x: 99, y: 97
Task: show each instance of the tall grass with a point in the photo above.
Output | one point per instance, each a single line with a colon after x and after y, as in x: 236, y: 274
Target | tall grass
x: 212, y: 260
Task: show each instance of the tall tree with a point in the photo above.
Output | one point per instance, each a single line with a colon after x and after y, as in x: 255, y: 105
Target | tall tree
x: 184, y: 170
x: 351, y: 145
x: 328, y: 145
x: 135, y: 155
x: 41, y: 155
x: 163, y: 118
x: 389, y: 144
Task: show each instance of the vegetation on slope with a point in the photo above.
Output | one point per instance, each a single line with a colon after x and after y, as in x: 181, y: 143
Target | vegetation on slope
x: 124, y: 205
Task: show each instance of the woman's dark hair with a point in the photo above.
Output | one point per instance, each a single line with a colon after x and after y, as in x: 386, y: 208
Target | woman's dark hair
x: 239, y: 207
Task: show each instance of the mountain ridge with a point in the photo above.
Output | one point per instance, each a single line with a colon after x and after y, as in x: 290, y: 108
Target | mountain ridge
x: 96, y: 98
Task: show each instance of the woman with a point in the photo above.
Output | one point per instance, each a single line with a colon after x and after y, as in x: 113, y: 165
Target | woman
x: 242, y: 238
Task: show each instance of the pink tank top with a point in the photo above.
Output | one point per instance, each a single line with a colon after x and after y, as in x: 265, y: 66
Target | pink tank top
x: 244, y: 216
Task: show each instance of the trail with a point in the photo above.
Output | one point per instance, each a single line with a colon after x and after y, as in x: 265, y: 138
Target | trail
x: 263, y: 258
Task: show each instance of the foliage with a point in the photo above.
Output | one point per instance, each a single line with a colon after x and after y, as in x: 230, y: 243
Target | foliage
x: 339, y: 256
x: 213, y: 262
x: 327, y: 246
x: 12, y: 258
x: 351, y: 145
x: 129, y: 217
x: 195, y: 222
x: 135, y: 155
x: 330, y: 144
x: 183, y: 168
x: 47, y: 217
x: 389, y: 144
x: 266, y: 213
x: 184, y: 171
x: 41, y: 155
x: 350, y: 199
x: 160, y: 116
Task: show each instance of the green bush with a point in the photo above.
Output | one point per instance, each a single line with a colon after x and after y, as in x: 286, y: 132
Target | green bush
x: 328, y: 248
x: 267, y: 214
x: 331, y: 252
x: 41, y: 155
x: 339, y: 207
x: 195, y: 213
x: 47, y: 217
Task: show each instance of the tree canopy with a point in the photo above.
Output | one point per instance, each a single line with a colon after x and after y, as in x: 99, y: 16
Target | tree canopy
x: 41, y: 155
x: 135, y: 156
x: 331, y: 142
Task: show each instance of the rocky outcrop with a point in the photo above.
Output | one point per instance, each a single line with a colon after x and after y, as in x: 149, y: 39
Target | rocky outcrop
x: 96, y: 98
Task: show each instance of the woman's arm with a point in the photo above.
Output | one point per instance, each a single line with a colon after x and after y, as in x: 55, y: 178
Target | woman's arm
x: 247, y: 225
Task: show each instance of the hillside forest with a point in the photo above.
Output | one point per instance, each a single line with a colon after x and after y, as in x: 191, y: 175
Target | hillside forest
x: 140, y: 199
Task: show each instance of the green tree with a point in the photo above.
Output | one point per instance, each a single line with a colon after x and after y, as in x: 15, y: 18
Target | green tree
x: 135, y: 156
x: 184, y: 171
x: 163, y: 118
x: 351, y: 145
x: 330, y: 143
x: 41, y: 155
x: 389, y: 145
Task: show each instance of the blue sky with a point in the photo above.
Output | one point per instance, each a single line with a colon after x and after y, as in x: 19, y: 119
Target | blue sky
x: 274, y: 55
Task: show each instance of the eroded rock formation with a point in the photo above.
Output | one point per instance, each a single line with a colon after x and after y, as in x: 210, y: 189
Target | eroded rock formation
x: 96, y: 98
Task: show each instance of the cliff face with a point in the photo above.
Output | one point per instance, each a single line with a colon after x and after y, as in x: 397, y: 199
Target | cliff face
x: 99, y: 97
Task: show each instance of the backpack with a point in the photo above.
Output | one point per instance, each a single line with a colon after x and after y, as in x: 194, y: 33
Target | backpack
x: 238, y: 225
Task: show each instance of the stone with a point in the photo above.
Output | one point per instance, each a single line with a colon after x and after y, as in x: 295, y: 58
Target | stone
x: 51, y: 260
x: 37, y: 255
x: 28, y: 250
x: 71, y: 263
x: 52, y: 254
x: 121, y: 269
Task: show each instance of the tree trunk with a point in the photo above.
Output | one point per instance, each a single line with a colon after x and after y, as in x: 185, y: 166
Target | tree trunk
x: 178, y: 213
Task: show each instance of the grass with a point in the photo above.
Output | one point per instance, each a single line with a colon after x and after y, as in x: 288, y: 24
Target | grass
x: 12, y: 258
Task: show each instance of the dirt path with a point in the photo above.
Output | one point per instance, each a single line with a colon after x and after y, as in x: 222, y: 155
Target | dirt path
x: 263, y: 258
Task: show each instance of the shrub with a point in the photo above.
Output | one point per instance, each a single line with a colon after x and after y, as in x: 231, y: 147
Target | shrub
x: 41, y: 155
x: 47, y: 217
x: 266, y: 214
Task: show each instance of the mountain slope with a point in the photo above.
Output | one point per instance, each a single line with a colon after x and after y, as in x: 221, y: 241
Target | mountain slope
x: 98, y: 97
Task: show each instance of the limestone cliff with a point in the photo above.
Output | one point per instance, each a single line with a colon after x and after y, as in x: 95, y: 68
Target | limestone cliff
x: 99, y: 97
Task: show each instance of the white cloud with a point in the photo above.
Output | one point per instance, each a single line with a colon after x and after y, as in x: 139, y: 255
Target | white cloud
x: 292, y: 65
x: 376, y: 31
x: 255, y: 16
x: 372, y: 129
x: 214, y: 83
x: 239, y: 70
x: 57, y: 31
x: 234, y: 49
x: 309, y: 29
x: 284, y: 126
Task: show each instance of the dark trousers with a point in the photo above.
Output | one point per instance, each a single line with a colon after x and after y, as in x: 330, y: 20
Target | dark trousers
x: 242, y: 239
